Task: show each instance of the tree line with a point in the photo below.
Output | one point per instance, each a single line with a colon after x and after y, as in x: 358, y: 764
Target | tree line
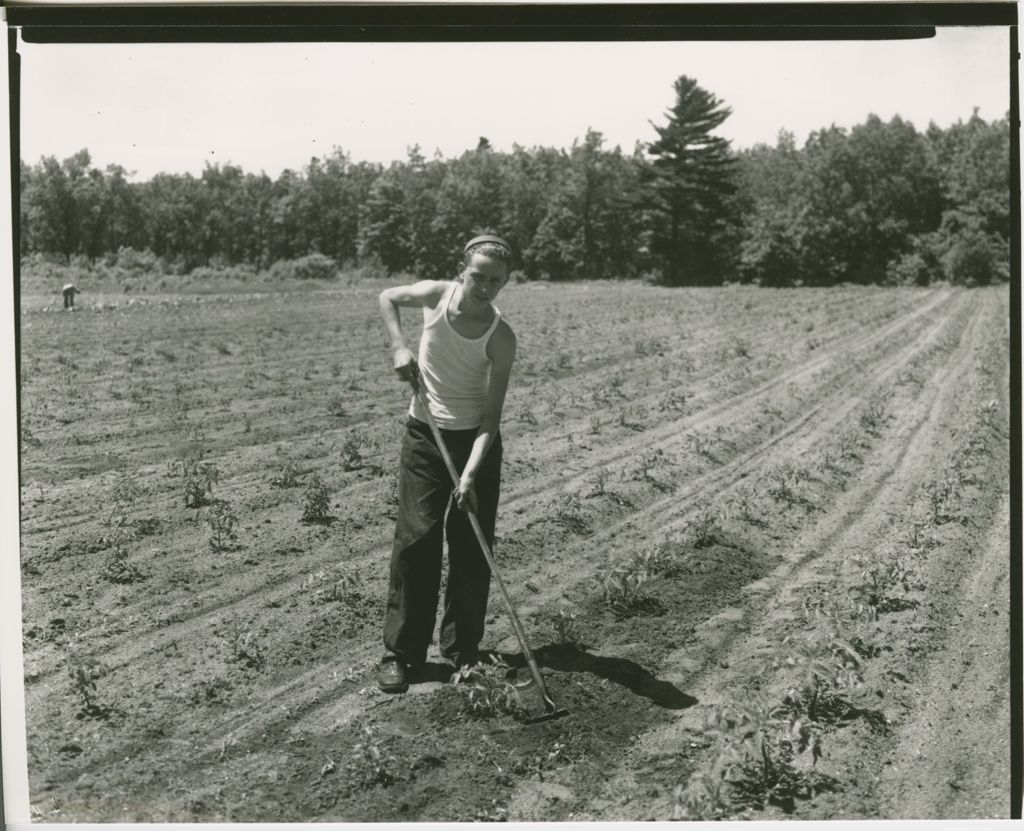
x: 880, y: 202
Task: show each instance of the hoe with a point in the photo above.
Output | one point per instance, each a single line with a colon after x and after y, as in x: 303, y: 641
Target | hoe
x: 551, y: 711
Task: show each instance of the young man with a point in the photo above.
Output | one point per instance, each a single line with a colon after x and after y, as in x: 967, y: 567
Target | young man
x: 69, y: 291
x: 465, y: 358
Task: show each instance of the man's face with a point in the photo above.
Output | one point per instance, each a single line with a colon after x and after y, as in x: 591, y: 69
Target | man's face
x: 483, y: 277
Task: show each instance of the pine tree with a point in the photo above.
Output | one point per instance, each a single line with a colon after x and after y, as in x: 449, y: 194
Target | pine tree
x: 690, y: 181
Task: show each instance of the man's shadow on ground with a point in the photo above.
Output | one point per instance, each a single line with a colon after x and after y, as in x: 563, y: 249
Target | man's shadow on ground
x: 570, y: 658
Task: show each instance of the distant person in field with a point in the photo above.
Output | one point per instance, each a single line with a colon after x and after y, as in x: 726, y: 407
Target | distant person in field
x: 465, y: 358
x: 69, y: 291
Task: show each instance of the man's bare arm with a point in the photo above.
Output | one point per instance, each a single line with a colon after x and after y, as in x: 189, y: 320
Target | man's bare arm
x: 421, y: 294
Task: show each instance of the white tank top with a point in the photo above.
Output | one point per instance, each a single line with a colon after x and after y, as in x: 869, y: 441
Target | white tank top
x: 456, y: 371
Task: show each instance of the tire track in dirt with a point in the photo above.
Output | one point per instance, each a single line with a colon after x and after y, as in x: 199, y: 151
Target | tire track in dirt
x: 665, y: 512
x: 858, y: 514
x: 540, y: 488
x: 957, y: 734
x: 959, y: 738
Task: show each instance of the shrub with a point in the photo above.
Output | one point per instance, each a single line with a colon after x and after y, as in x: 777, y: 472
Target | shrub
x: 911, y: 269
x: 243, y: 273
x: 975, y: 258
x: 311, y: 267
x: 134, y: 262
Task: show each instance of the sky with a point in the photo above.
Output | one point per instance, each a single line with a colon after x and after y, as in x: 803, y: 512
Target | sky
x: 174, y: 107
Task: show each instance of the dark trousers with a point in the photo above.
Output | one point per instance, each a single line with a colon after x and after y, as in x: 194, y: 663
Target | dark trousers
x: 424, y: 497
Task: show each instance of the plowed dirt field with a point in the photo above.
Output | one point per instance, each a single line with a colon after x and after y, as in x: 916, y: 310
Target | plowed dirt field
x: 758, y: 539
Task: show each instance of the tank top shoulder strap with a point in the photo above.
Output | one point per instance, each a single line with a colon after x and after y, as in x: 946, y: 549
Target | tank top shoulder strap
x: 431, y: 316
x: 493, y: 326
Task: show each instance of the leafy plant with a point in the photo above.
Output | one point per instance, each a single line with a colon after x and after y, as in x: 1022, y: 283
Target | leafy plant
x: 600, y: 480
x: 126, y: 492
x: 336, y: 405
x: 875, y: 412
x: 569, y: 514
x: 705, y: 528
x: 198, y: 479
x: 565, y: 627
x: 287, y: 473
x: 316, y: 501
x: 646, y: 463
x: 848, y: 445
x: 877, y: 577
x: 486, y: 689
x: 525, y: 414
x: 747, y: 505
x: 352, y: 451
x: 621, y: 582
x: 783, y: 481
x: 821, y: 663
x: 701, y: 445
x: 756, y: 740
x: 331, y: 587
x: 986, y: 414
x: 703, y: 797
x: 370, y: 764
x: 942, y: 494
x: 246, y: 647
x: 222, y: 521
x: 210, y: 691
x: 117, y: 568
x: 674, y: 401
x: 84, y: 673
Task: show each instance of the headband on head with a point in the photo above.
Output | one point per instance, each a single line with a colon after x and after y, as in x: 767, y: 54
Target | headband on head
x: 486, y: 238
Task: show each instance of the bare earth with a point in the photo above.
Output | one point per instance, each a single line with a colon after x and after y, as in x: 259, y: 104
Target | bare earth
x: 769, y: 446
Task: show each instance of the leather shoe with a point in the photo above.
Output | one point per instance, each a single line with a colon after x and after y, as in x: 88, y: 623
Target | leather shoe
x: 391, y: 675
